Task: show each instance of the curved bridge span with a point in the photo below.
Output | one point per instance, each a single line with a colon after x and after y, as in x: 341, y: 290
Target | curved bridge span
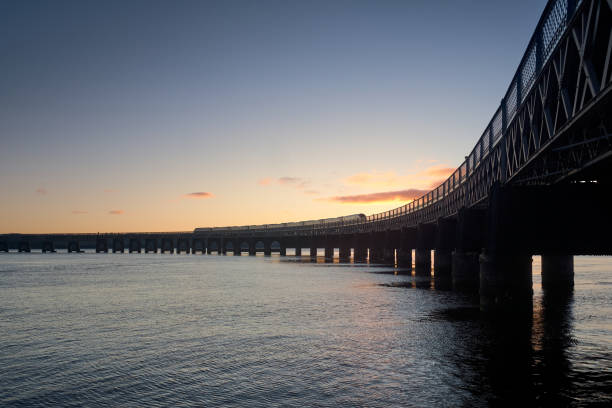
x: 553, y: 127
x: 537, y: 181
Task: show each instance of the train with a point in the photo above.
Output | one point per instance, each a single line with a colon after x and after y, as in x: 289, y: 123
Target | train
x: 347, y: 219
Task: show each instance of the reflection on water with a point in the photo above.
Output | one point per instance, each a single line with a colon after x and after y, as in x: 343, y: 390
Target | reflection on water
x: 101, y: 330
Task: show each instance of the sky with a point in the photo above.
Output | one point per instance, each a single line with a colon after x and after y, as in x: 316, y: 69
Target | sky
x: 120, y: 116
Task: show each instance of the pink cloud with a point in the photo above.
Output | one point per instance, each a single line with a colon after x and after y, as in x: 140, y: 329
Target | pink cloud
x: 199, y: 194
x: 439, y: 171
x: 41, y: 191
x: 116, y: 212
x: 401, y: 195
x: 265, y: 181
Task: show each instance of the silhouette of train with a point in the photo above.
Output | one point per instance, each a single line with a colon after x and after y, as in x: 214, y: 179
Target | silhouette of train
x: 347, y: 219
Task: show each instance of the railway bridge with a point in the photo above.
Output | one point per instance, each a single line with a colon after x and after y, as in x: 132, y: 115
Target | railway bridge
x: 538, y: 181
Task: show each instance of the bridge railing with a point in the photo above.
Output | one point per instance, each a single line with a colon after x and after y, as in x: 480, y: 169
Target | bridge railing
x: 550, y: 29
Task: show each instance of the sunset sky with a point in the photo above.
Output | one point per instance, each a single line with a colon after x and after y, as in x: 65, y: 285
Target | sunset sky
x: 171, y: 115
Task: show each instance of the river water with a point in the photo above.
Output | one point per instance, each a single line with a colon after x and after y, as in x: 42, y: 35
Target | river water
x: 191, y: 330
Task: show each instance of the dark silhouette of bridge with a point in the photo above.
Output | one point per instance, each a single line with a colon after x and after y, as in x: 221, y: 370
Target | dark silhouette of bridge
x: 537, y: 182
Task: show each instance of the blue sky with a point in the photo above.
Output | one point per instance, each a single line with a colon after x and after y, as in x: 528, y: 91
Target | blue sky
x: 130, y: 106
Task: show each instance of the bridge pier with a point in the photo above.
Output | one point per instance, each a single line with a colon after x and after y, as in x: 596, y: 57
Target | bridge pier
x: 4, y: 246
x: 470, y: 228
x: 422, y: 262
x: 134, y: 245
x: 167, y: 245
x: 150, y: 245
x: 329, y: 252
x: 443, y: 264
x: 283, y: 249
x: 426, y: 239
x: 445, y: 242
x: 408, y: 241
x: 24, y: 246
x: 267, y: 248
x: 313, y: 251
x: 237, y: 250
x: 118, y: 245
x: 505, y: 282
x: 73, y: 246
x: 183, y: 245
x: 376, y: 255
x: 198, y: 245
x: 298, y: 251
x: 465, y: 271
x: 558, y: 272
x: 101, y: 245
x: 360, y: 254
x: 47, y: 246
x: 344, y: 253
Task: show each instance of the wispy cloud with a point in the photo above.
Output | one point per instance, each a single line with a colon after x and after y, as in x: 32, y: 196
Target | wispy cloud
x: 199, y: 194
x: 289, y: 180
x: 386, y: 196
x: 78, y: 212
x: 296, y: 182
x: 265, y: 181
x: 116, y: 212
x: 41, y: 191
x: 440, y: 171
x: 419, y: 179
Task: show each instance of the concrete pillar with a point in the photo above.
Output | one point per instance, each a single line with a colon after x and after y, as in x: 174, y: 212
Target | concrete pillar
x: 73, y: 246
x: 376, y: 255
x: 252, y: 248
x: 313, y: 252
x: 24, y: 246
x: 465, y: 271
x: 404, y: 258
x: 443, y: 264
x: 298, y: 251
x: 167, y: 245
x: 118, y: 245
x: 267, y: 249
x: 134, y: 245
x: 329, y: 252
x: 360, y: 254
x: 101, y: 245
x: 47, y: 246
x: 183, y: 245
x: 557, y: 272
x: 505, y: 282
x: 283, y: 250
x: 4, y: 246
x: 151, y: 245
x: 422, y: 262
x: 344, y: 253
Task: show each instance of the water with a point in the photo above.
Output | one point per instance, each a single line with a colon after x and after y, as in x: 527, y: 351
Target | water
x: 167, y: 330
